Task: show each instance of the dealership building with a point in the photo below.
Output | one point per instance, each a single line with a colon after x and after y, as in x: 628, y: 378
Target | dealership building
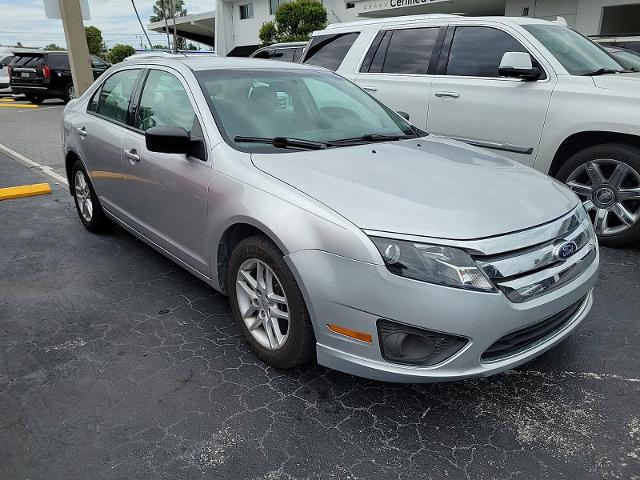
x: 232, y: 29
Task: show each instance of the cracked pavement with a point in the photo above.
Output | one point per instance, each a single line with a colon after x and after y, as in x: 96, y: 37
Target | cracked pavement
x: 116, y: 363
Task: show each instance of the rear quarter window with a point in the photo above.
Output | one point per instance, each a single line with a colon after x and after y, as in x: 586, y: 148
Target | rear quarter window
x: 329, y: 50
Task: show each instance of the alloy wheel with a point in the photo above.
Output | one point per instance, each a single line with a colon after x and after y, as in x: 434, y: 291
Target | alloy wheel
x: 263, y: 304
x: 610, y: 192
x: 71, y: 92
x: 83, y: 196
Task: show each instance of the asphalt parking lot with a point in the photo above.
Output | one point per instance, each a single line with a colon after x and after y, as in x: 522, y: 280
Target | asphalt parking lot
x: 116, y: 363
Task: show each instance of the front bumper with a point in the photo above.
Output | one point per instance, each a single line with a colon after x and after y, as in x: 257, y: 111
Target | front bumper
x: 356, y: 295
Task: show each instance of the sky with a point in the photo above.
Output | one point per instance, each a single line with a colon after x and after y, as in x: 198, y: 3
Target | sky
x: 24, y: 21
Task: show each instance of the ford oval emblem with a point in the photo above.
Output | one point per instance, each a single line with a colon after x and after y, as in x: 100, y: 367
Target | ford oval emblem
x: 565, y: 250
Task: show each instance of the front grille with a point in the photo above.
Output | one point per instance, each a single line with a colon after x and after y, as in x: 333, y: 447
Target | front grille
x: 520, y: 340
x: 533, y: 271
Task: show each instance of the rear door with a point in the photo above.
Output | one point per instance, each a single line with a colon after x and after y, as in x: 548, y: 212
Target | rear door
x: 471, y: 102
x: 99, y: 134
x: 399, y: 68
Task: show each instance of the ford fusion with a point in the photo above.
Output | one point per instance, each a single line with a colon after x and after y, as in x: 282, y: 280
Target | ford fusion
x: 339, y: 231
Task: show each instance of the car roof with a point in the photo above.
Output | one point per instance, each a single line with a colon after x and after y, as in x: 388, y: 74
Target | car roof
x: 211, y: 62
x: 407, y: 19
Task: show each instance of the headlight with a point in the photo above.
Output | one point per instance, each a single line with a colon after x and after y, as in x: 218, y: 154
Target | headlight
x: 584, y: 218
x: 432, y: 263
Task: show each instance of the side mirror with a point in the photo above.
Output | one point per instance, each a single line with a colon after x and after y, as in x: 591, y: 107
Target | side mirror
x: 170, y: 140
x: 518, y: 65
x: 404, y: 115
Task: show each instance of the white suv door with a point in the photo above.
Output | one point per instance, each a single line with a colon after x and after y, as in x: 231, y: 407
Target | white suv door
x: 398, y: 70
x: 471, y: 102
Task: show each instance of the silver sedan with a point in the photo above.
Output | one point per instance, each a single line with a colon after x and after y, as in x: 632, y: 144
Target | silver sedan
x: 339, y: 231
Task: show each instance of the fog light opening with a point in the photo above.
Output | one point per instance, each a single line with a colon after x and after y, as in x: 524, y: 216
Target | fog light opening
x: 409, y: 345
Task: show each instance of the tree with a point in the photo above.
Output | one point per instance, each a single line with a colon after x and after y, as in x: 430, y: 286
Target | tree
x: 18, y: 44
x: 159, y: 47
x: 294, y: 21
x: 268, y: 33
x: 53, y: 47
x: 119, y: 52
x: 94, y: 39
x: 191, y: 46
x: 167, y: 10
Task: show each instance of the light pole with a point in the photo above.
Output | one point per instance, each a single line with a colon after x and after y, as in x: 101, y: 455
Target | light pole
x: 79, y: 59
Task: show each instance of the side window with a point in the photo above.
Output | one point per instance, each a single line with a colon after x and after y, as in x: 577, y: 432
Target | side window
x: 93, y: 103
x: 477, y: 51
x: 164, y: 103
x: 329, y: 50
x: 263, y: 54
x: 297, y: 54
x: 410, y: 50
x: 58, y: 60
x: 283, y: 54
x: 113, y: 101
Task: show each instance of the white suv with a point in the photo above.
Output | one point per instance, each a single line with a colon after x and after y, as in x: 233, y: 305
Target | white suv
x: 537, y: 91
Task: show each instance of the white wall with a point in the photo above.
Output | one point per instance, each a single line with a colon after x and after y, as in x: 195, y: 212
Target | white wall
x: 245, y: 32
x: 584, y: 15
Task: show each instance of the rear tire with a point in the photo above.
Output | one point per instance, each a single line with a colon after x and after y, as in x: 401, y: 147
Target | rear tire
x: 294, y: 342
x: 69, y: 93
x: 37, y: 99
x: 607, y: 179
x: 87, y: 204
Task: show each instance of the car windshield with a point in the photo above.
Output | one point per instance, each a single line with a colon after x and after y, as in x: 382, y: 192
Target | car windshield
x: 299, y: 105
x: 629, y: 58
x: 576, y: 53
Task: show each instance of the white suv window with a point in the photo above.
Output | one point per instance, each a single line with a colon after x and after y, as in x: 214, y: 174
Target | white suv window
x: 329, y: 50
x: 405, y: 51
x: 478, y: 51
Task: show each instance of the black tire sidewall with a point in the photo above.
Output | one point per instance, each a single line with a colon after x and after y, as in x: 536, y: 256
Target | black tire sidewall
x: 98, y: 222
x: 300, y: 345
x: 628, y: 154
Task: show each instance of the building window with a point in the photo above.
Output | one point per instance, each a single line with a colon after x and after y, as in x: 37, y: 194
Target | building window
x: 525, y: 12
x: 246, y: 11
x: 273, y: 6
x: 350, y: 5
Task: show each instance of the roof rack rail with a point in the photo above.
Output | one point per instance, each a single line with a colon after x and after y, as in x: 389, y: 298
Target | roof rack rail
x: 400, y: 19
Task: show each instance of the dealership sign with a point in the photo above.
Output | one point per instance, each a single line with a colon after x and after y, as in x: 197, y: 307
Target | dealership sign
x: 381, y: 5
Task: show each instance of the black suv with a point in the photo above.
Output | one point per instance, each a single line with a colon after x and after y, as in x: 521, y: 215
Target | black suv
x: 41, y: 75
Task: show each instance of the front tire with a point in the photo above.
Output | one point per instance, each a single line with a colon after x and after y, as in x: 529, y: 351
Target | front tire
x: 87, y: 204
x: 267, y: 304
x: 607, y: 180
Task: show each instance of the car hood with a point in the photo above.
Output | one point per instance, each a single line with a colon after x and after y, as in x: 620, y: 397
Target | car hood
x: 432, y: 187
x: 620, y: 81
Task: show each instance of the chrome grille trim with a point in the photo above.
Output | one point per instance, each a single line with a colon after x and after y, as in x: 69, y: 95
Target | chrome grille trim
x: 535, y: 258
x: 531, y: 286
x: 524, y: 274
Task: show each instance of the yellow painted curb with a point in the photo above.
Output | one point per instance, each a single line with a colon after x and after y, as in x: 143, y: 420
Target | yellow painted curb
x: 24, y: 191
x: 7, y: 99
x: 17, y: 105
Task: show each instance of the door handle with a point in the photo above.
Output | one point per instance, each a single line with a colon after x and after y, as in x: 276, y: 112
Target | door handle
x: 447, y: 94
x: 370, y: 89
x: 82, y: 132
x: 132, y: 155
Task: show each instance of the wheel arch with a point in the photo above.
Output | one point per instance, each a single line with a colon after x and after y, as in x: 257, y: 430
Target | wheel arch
x: 581, y: 140
x: 234, y: 233
x: 70, y: 158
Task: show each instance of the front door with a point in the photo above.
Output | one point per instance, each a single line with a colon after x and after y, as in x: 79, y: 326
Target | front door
x: 396, y: 70
x: 471, y: 102
x: 166, y: 197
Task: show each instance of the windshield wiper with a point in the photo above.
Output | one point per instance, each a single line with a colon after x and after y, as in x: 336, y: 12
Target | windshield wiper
x: 283, y: 142
x: 604, y: 71
x: 370, y: 137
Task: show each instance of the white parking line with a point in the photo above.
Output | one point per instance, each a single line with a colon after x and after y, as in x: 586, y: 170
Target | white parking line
x: 40, y: 109
x: 46, y: 169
